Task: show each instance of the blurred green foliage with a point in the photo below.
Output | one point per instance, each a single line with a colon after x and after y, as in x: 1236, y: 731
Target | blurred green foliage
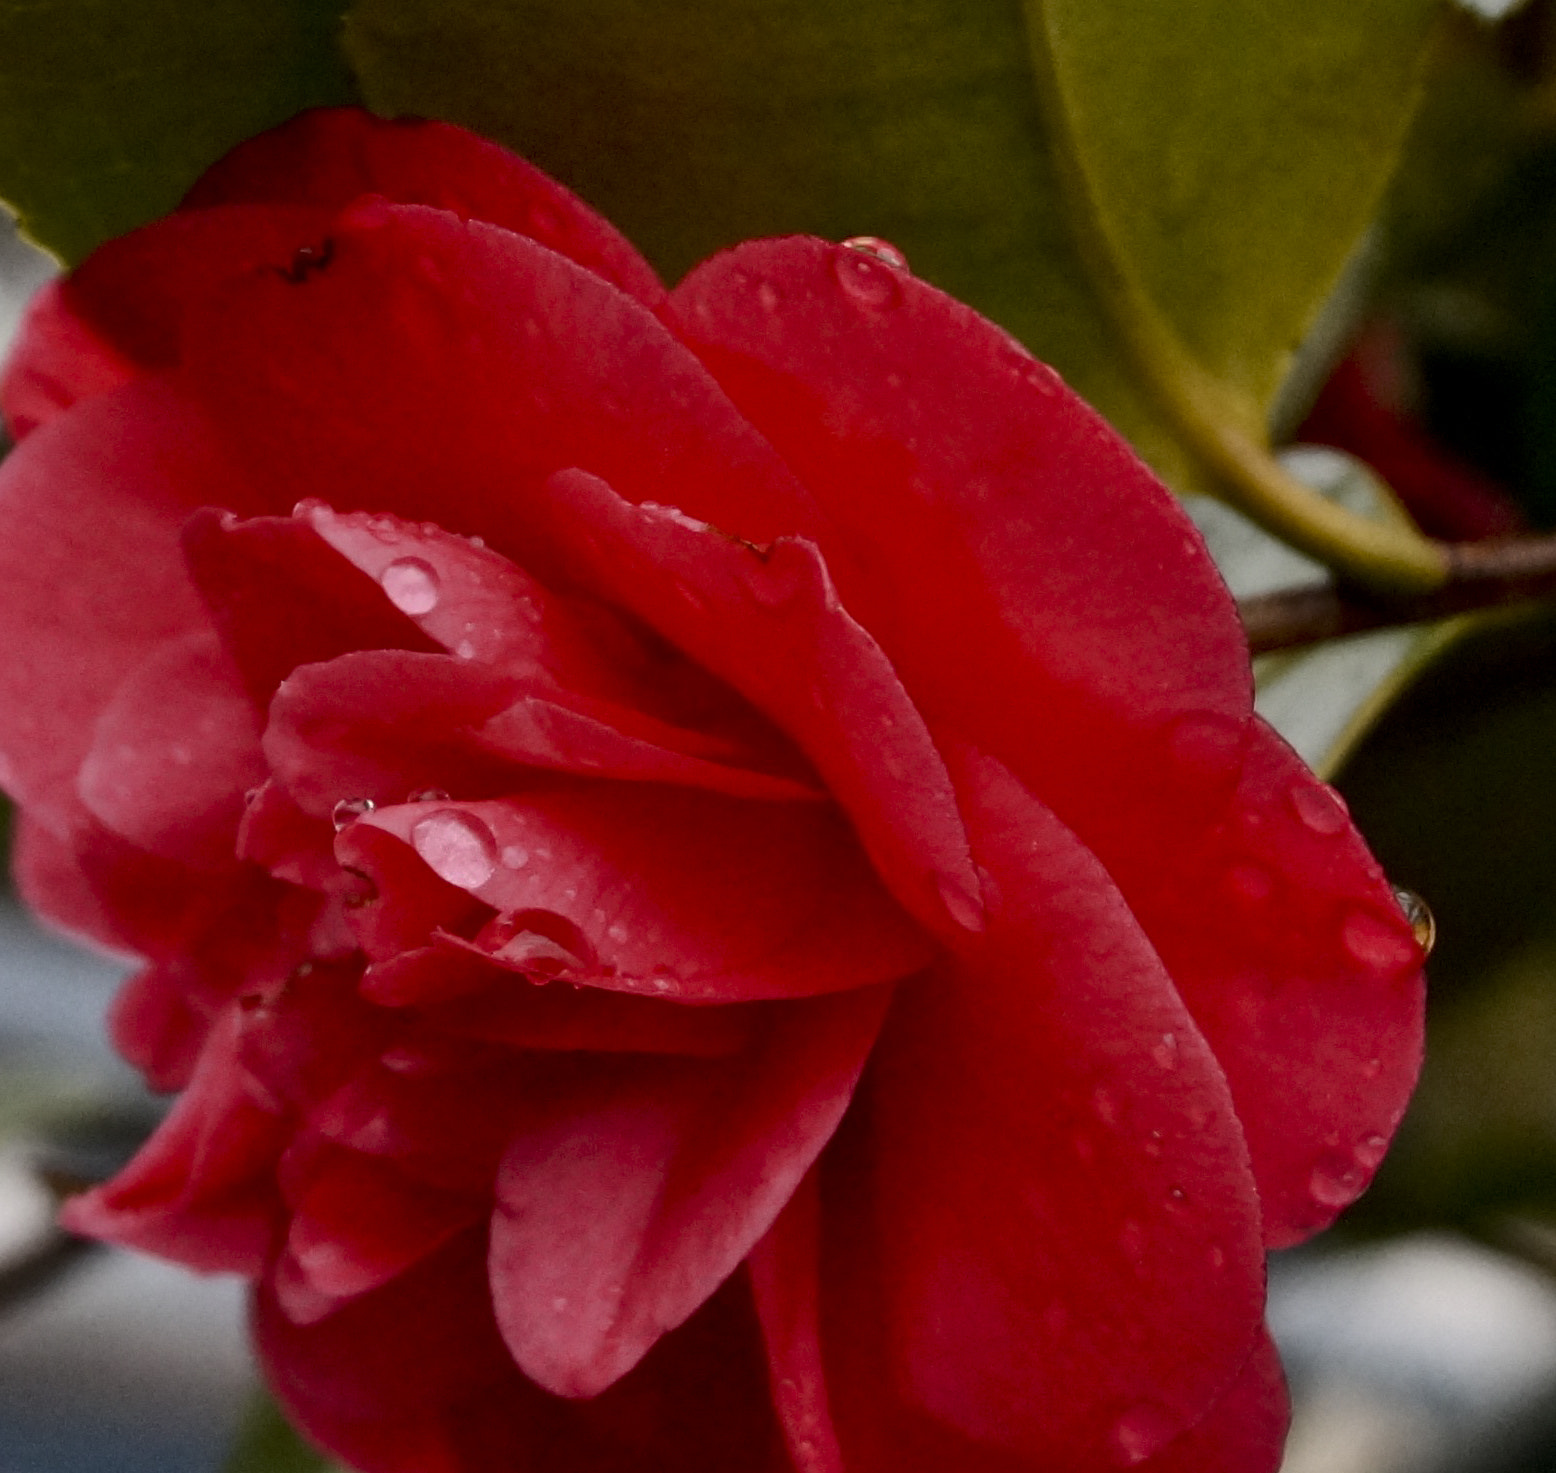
x: 109, y: 111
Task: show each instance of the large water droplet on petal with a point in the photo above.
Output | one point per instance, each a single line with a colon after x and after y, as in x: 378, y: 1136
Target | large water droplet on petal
x: 1423, y: 924
x: 866, y: 278
x: 349, y: 810
x: 412, y: 585
x: 457, y: 847
x: 1141, y: 1433
x: 1370, y: 1150
x: 1319, y: 807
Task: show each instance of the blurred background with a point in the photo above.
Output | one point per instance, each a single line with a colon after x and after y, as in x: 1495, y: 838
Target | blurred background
x: 1419, y: 1336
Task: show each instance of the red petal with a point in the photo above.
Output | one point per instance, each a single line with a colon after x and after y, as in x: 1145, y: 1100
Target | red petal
x: 411, y: 1378
x: 771, y: 625
x: 56, y: 360
x: 282, y: 597
x: 1244, y: 1432
x: 1112, y: 1175
x: 669, y: 892
x: 465, y: 994
x: 358, y: 1223
x: 174, y: 751
x: 785, y: 1286
x: 154, y: 1027
x: 91, y: 580
x: 621, y: 1214
x: 398, y: 391
x: 202, y: 1189
x: 329, y: 157
x: 1077, y: 628
x: 1308, y: 985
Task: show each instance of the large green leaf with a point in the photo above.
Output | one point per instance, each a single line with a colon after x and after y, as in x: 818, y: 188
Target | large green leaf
x: 111, y: 109
x: 1216, y: 160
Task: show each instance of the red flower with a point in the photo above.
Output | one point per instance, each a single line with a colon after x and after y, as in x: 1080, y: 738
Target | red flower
x: 764, y: 935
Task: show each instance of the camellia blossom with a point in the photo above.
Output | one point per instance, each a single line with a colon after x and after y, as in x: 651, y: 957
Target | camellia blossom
x: 705, y: 867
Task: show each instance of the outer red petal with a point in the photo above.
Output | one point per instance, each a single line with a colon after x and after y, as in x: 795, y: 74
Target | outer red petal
x: 202, y: 1189
x: 1064, y: 1238
x: 1038, y: 589
x: 668, y: 892
x: 623, y: 1211
x: 1115, y: 685
x: 1307, y: 984
x: 329, y: 157
x: 1244, y: 1432
x: 443, y: 367
x: 91, y: 580
x: 174, y: 752
x: 56, y: 360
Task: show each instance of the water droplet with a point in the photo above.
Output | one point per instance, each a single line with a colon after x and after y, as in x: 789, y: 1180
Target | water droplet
x: 1153, y: 1145
x: 349, y: 810
x: 1131, y: 1238
x: 515, y: 856
x: 411, y: 584
x: 559, y: 1304
x: 1205, y: 744
x: 1105, y: 1104
x: 1372, y: 1068
x: 427, y: 795
x: 1319, y: 807
x: 541, y: 955
x: 1423, y: 924
x: 311, y: 509
x: 618, y: 932
x: 881, y: 250
x: 1165, y: 1051
x: 665, y: 984
x: 1377, y: 942
x: 867, y: 279
x: 457, y: 847
x: 767, y: 295
x: 1217, y: 1256
x: 465, y: 650
x: 1335, y: 1181
x: 251, y: 796
x: 965, y: 908
x: 1370, y: 1150
x: 408, y: 1058
x: 1177, y: 1197
x: 1141, y: 1433
x: 1249, y: 884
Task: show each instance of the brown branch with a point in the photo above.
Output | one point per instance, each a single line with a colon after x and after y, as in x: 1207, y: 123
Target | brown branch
x: 1484, y: 575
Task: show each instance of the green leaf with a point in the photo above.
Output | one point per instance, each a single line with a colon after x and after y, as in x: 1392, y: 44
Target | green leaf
x: 1220, y: 158
x: 110, y: 110
x: 268, y: 1444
